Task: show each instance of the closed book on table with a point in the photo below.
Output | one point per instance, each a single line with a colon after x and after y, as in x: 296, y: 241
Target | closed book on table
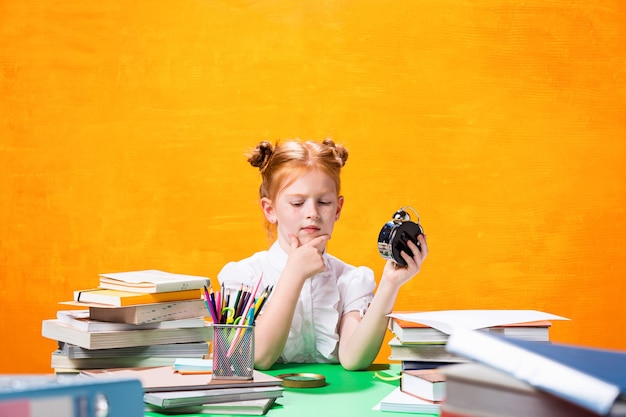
x: 118, y: 298
x: 401, y: 402
x: 149, y: 313
x: 409, y: 332
x: 160, y: 379
x: 199, y: 397
x: 61, y: 361
x: 522, y: 324
x: 169, y: 350
x: 592, y: 378
x: 475, y: 390
x: 421, y: 352
x: 248, y: 407
x: 152, y: 281
x: 57, y: 330
x: 53, y: 396
x: 81, y: 320
x: 427, y: 384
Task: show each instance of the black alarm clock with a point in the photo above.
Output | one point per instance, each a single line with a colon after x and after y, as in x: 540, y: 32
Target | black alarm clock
x: 395, y: 234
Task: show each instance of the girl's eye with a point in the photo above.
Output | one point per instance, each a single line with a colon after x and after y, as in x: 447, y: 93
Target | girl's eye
x: 324, y: 203
x: 296, y: 203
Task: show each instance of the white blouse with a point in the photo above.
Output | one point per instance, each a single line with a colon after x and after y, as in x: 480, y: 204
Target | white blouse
x: 324, y: 299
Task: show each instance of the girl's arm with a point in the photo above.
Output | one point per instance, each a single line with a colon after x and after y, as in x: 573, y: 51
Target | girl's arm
x: 360, y: 338
x: 272, y: 327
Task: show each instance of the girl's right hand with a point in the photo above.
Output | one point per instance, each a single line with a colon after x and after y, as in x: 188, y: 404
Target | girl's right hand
x: 307, y: 260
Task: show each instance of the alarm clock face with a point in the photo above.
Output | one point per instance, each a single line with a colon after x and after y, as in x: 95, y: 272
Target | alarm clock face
x: 393, y: 239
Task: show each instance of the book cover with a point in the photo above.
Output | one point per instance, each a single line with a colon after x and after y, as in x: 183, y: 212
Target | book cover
x: 210, y: 396
x: 149, y: 313
x: 427, y: 384
x: 160, y: 379
x: 170, y: 350
x: 152, y: 281
x: 248, y: 407
x: 47, y: 395
x: 474, y: 389
x: 81, y: 320
x: 592, y: 378
x: 119, y: 298
x: 57, y: 330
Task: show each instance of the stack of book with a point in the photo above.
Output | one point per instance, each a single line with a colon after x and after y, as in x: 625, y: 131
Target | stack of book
x: 420, y: 343
x: 514, y: 378
x: 420, y: 338
x: 132, y: 319
x: 170, y: 390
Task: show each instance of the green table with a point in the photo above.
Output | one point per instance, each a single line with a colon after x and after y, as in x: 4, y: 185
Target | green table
x: 345, y: 394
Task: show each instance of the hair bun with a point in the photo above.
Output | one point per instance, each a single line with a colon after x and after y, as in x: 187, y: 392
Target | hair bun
x: 340, y: 151
x: 261, y: 155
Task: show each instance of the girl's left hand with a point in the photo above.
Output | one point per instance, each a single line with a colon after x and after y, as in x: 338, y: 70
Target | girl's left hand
x: 401, y: 274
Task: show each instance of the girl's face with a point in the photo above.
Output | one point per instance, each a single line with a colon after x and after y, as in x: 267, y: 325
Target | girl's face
x: 306, y: 208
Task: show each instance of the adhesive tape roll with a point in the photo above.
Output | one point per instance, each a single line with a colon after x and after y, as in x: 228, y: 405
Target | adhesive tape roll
x: 303, y: 380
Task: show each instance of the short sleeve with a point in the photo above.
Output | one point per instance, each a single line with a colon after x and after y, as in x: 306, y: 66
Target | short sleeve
x: 357, y: 289
x: 233, y: 274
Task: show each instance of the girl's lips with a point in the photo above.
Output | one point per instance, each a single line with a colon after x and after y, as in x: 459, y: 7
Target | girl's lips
x: 311, y: 229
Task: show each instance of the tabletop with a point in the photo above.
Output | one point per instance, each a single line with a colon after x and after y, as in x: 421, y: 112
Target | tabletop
x: 346, y: 393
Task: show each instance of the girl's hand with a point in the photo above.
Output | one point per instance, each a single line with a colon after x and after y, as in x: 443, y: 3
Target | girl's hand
x: 307, y: 259
x: 401, y: 274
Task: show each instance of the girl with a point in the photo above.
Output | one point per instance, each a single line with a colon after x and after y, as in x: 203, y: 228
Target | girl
x: 321, y: 309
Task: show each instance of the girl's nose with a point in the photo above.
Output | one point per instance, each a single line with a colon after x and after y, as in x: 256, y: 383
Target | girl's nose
x: 313, y: 213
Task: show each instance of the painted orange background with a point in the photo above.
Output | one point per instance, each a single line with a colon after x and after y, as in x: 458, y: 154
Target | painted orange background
x: 123, y: 126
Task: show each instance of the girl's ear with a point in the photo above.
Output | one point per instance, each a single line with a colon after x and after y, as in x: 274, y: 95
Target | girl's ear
x: 339, y: 207
x: 268, y: 210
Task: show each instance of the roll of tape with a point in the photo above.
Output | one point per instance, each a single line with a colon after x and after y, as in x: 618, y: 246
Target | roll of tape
x: 303, y: 380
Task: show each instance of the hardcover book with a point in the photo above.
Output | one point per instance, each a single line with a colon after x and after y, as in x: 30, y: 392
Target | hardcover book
x: 57, y: 330
x: 81, y: 320
x: 170, y: 350
x: 411, y: 332
x: 210, y: 396
x: 152, y: 281
x: 61, y: 361
x: 422, y: 352
x: 401, y: 402
x: 164, y: 378
x: 473, y: 389
x: 594, y: 379
x: 427, y: 384
x: 247, y: 407
x: 118, y: 298
x: 150, y: 313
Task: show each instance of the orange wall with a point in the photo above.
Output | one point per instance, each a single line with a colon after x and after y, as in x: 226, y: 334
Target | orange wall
x: 123, y: 127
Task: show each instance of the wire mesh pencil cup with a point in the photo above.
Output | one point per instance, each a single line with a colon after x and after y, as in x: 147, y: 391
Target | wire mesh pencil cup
x: 233, y: 351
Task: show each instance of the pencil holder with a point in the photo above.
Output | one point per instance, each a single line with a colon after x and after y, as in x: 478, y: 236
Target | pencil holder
x: 233, y: 351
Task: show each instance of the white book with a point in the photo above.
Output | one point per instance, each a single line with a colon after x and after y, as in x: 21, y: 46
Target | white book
x: 60, y: 360
x: 80, y: 320
x: 401, y: 402
x: 57, y: 330
x: 169, y: 350
x: 210, y: 396
x: 247, y: 407
x: 152, y: 281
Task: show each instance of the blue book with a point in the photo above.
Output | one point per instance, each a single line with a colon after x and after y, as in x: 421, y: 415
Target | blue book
x: 70, y: 396
x: 593, y: 378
